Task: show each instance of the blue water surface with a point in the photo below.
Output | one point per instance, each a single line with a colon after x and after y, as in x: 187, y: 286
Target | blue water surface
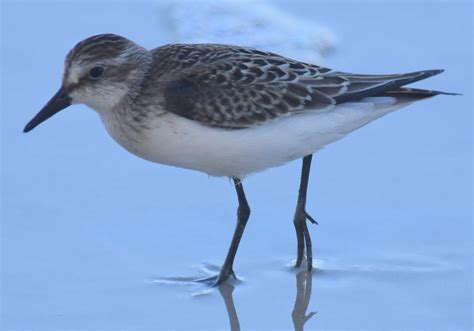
x: 88, y: 230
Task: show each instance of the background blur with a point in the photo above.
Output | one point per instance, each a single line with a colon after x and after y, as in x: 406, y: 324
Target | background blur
x: 88, y: 229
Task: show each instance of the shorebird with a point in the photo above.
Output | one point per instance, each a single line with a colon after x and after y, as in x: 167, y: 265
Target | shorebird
x: 225, y: 110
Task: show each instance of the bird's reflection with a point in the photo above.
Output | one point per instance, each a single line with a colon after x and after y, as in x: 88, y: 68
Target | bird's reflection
x: 304, y: 282
x: 226, y: 290
x: 303, y: 296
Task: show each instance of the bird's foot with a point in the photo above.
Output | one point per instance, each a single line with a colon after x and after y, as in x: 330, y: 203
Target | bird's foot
x: 309, y: 217
x: 219, y: 279
x: 211, y: 275
x: 302, y: 215
x: 303, y: 237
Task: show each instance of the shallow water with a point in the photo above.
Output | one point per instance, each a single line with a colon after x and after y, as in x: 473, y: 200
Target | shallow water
x: 90, y: 233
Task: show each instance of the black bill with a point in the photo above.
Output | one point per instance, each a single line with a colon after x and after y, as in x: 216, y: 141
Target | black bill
x: 57, y: 103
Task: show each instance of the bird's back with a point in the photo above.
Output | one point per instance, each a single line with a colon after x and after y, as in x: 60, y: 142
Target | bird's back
x: 239, y: 87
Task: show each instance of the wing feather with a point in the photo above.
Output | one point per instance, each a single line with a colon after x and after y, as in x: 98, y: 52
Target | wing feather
x: 237, y: 87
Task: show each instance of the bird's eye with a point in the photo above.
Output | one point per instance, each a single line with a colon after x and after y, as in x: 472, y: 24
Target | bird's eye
x: 96, y: 72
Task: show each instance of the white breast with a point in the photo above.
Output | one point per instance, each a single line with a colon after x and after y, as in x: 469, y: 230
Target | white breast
x: 177, y: 141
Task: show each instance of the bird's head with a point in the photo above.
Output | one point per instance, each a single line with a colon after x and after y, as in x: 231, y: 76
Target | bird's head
x: 99, y: 72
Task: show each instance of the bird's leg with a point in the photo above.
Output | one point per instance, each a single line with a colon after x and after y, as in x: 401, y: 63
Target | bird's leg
x: 302, y: 233
x: 243, y: 213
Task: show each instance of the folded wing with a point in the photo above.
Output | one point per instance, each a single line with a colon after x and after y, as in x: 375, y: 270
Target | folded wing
x: 247, y: 88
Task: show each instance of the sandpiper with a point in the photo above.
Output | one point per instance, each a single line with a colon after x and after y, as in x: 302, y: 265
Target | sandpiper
x: 225, y: 110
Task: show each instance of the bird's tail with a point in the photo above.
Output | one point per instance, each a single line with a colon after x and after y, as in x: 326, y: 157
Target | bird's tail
x: 406, y: 94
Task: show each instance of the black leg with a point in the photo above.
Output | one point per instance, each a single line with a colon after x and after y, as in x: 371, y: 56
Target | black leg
x: 302, y: 233
x: 243, y: 213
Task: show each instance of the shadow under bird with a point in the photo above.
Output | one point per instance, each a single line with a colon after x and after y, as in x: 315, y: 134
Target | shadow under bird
x: 225, y: 110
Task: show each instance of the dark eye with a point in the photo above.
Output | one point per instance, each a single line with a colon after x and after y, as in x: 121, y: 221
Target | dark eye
x: 96, y: 72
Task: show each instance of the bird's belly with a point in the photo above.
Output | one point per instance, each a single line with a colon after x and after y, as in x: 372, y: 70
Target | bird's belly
x: 180, y: 142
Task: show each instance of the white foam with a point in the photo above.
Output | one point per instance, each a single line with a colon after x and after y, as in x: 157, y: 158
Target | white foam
x: 258, y: 24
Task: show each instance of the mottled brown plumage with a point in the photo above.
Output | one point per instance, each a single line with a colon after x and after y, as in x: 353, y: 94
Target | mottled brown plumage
x: 238, y: 87
x: 233, y: 86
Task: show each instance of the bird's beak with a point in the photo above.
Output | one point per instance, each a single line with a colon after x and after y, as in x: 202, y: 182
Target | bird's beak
x: 58, y: 102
